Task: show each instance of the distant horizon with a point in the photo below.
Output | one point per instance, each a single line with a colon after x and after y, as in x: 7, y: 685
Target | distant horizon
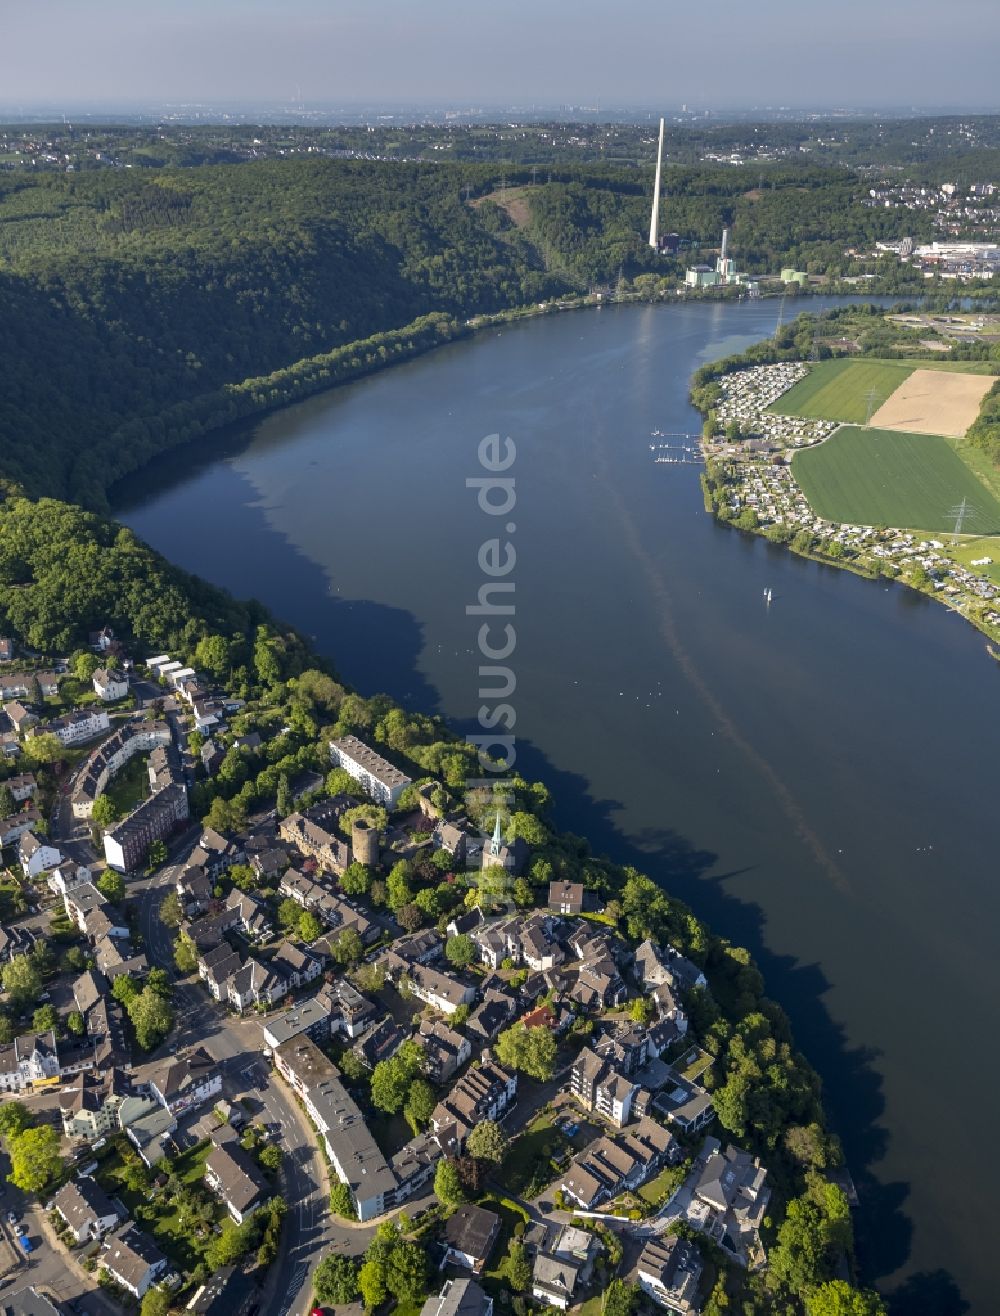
x: 114, y: 53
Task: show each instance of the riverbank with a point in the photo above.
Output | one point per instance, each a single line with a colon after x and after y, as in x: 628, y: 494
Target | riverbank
x: 749, y: 482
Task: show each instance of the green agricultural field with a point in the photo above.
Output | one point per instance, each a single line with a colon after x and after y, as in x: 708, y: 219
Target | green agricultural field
x: 838, y: 390
x: 885, y: 477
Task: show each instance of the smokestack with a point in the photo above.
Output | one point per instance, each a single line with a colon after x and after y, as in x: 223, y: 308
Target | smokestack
x: 725, y: 246
x: 654, y: 219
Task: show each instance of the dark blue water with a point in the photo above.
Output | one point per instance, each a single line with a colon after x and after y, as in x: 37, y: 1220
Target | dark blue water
x: 818, y: 779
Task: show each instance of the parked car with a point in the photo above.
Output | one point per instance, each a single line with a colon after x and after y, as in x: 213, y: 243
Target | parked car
x: 12, y: 1217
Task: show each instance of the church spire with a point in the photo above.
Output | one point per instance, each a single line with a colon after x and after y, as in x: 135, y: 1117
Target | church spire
x: 496, y: 844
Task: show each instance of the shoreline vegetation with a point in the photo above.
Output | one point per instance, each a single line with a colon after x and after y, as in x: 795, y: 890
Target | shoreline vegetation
x: 795, y: 345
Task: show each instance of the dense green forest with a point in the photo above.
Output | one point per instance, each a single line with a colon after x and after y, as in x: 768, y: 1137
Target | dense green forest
x: 143, y: 308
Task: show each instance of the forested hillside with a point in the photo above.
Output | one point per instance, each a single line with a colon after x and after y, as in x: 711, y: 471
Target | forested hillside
x: 139, y: 309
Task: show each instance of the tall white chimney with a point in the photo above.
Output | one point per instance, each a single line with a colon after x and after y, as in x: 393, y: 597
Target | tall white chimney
x: 654, y: 219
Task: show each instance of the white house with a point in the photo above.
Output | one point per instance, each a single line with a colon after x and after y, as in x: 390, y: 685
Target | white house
x: 188, y: 1082
x: 36, y: 855
x: 80, y: 726
x: 86, y: 1209
x: 132, y: 1260
x: 381, y: 780
x: 110, y: 684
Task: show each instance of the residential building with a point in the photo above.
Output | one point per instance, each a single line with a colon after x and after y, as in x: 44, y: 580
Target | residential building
x: 254, y: 984
x: 729, y: 1198
x: 31, y: 1061
x: 110, y: 757
x: 68, y: 876
x: 110, y: 684
x: 132, y: 1260
x: 609, y: 1166
x: 380, y: 779
x: 497, y: 1011
x: 86, y: 1209
x: 566, y: 897
x: 36, y: 856
x: 15, y: 941
x: 90, y: 1108
x: 295, y: 965
x: 601, y: 1087
x: 233, y: 1176
x: 126, y: 845
x: 27, y: 1302
x: 441, y: 990
x: 445, y: 1051
x: 14, y: 826
x: 469, y: 1235
x: 380, y: 1042
x: 81, y: 725
x: 186, y: 1082
x: 560, y: 1273
x: 253, y: 916
x: 669, y: 1270
x: 22, y: 787
x: 458, y: 1297
x: 484, y: 1092
x: 684, y: 1103
x: 310, y: 1018
x: 354, y: 1154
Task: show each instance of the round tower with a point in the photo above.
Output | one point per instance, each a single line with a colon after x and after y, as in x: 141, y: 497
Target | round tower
x: 364, y: 843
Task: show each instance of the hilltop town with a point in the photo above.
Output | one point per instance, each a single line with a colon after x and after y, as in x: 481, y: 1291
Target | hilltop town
x: 368, y: 1042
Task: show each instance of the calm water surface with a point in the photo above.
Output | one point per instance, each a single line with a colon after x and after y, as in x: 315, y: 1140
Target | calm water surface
x: 818, y: 779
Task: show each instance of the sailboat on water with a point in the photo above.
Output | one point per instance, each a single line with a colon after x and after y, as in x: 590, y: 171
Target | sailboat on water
x: 767, y: 595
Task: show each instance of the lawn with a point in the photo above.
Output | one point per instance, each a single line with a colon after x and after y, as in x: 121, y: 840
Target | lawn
x: 838, y: 390
x: 130, y: 787
x: 885, y: 477
x: 530, y: 1152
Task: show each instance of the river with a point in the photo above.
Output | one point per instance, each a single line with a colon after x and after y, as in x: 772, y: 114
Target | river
x: 817, y: 778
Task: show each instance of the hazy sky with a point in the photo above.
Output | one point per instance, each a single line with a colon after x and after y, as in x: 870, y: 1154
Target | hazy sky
x: 648, y: 52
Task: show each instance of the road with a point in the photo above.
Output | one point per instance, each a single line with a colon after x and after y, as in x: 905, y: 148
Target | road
x: 310, y: 1229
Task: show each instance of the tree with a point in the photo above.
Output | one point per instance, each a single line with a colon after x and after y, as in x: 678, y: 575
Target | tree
x: 391, y: 1081
x: 487, y: 1142
x: 641, y: 1010
x: 171, y: 910
x: 532, y: 1050
x: 155, y: 1302
x: 14, y: 1119
x: 226, y: 1248
x: 336, y: 1281
x: 397, y: 886
x: 347, y: 948
x: 369, y: 977
x: 838, y: 1298
x: 112, y: 886
x: 371, y: 1284
x: 289, y: 913
x: 225, y: 816
x: 283, y: 802
x: 243, y: 877
x: 269, y: 1157
x: 356, y: 880
x: 124, y: 990
x: 45, y: 1018
x: 406, y: 1272
x: 75, y: 1023
x: 34, y: 1159
x: 158, y: 981
x: 157, y: 856
x: 152, y: 1018
x: 419, y: 1104
x: 620, y: 1298
x: 104, y: 813
x: 410, y: 917
x: 517, y: 1267
x: 44, y: 748
x: 447, y: 1184
x: 21, y: 981
x: 212, y: 652
x: 185, y: 954
x: 309, y: 926
x: 460, y: 950
x: 8, y: 804
x: 341, y: 1201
